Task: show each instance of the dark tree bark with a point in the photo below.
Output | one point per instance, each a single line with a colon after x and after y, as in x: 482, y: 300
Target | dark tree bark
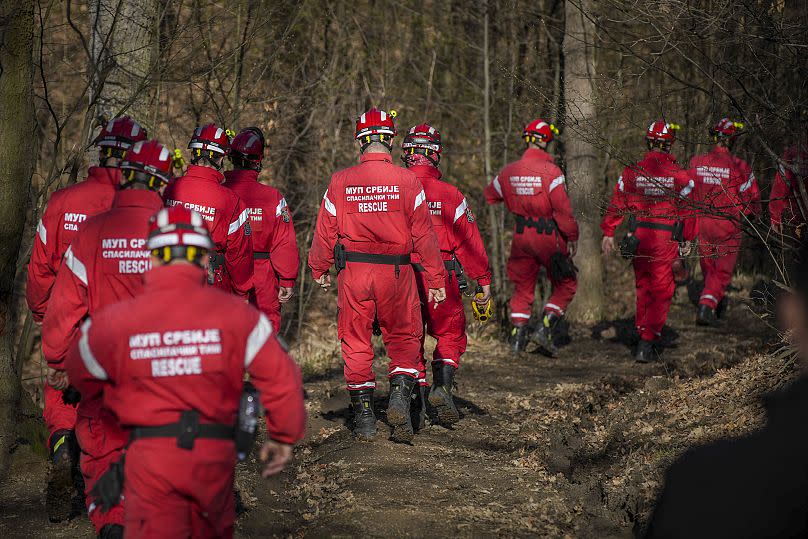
x: 17, y: 123
x: 582, y: 158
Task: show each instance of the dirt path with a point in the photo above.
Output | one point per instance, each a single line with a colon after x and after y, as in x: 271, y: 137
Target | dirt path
x: 511, y: 467
x: 505, y: 470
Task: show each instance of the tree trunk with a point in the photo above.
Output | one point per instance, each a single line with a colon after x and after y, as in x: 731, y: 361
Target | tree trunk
x: 123, y: 46
x: 582, y: 157
x: 17, y: 122
x: 493, y: 222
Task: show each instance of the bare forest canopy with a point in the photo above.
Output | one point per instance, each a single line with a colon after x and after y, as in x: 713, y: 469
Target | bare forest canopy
x: 302, y: 71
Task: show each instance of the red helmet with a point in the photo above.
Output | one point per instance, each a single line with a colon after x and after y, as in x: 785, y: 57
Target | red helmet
x: 148, y: 162
x: 661, y: 131
x: 726, y: 128
x: 178, y: 226
x: 375, y: 122
x: 209, y: 138
x: 120, y: 133
x: 539, y: 129
x: 248, y: 146
x: 422, y: 142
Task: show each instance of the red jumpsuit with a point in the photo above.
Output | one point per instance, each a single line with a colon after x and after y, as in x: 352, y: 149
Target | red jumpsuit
x: 654, y: 190
x: 533, y: 188
x: 104, y: 264
x: 225, y: 215
x: 378, y: 208
x: 67, y: 210
x: 458, y: 238
x: 784, y: 207
x: 726, y: 189
x: 277, y: 260
x: 184, y: 346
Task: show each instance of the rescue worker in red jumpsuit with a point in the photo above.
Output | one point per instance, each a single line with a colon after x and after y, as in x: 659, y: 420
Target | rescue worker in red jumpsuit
x: 545, y: 236
x: 171, y: 370
x: 726, y: 191
x: 105, y: 264
x: 273, y: 234
x: 463, y: 252
x: 655, y: 193
x: 373, y: 217
x: 201, y: 190
x: 67, y: 211
x: 787, y: 206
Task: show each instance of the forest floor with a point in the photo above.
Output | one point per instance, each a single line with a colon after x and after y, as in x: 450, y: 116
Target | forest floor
x: 574, y: 446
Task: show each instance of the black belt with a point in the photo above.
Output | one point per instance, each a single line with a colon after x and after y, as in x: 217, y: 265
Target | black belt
x: 261, y: 255
x: 370, y: 258
x: 186, y: 431
x: 655, y: 226
x: 448, y: 264
x: 543, y: 225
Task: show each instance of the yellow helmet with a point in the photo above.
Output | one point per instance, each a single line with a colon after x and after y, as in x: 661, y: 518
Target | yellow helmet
x: 482, y: 314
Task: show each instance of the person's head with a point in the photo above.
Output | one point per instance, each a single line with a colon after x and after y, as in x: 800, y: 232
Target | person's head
x: 422, y: 146
x: 178, y: 235
x: 375, y: 131
x: 794, y: 306
x: 209, y: 146
x: 147, y: 165
x: 724, y: 131
x: 115, y: 138
x: 247, y: 149
x: 539, y: 133
x: 661, y: 135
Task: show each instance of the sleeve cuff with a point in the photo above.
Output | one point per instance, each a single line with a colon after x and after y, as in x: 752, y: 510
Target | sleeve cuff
x: 485, y: 280
x: 287, y: 283
x: 437, y: 283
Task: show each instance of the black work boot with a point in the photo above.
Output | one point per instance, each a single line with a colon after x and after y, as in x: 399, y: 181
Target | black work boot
x: 398, y: 408
x: 61, y: 487
x: 706, y: 316
x: 519, y: 336
x: 111, y: 531
x: 543, y: 336
x: 440, y: 396
x: 645, y: 351
x: 722, y: 307
x: 418, y: 408
x: 364, y: 420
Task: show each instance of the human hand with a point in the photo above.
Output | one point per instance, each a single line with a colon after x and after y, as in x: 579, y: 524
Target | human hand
x: 324, y: 281
x: 437, y: 295
x: 276, y: 456
x: 57, y: 379
x: 285, y: 293
x: 482, y: 301
x: 607, y: 245
x: 684, y: 248
x: 572, y: 248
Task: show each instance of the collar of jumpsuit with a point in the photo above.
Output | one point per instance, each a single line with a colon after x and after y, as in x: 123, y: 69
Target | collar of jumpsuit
x: 204, y: 173
x: 241, y: 175
x: 660, y: 156
x: 720, y: 150
x: 374, y: 156
x: 174, y: 276
x: 537, y: 153
x: 426, y: 170
x: 108, y: 175
x: 138, y: 198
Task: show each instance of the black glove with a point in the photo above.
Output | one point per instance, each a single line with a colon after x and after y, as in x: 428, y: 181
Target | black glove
x: 71, y: 396
x: 109, y: 487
